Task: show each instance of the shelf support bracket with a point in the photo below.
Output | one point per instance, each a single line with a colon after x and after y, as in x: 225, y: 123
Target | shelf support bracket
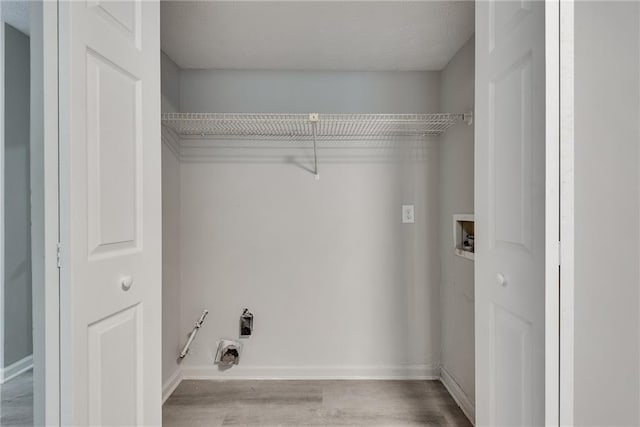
x: 468, y: 117
x: 313, y: 118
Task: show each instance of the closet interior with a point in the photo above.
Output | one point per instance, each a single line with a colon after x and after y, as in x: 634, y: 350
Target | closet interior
x: 318, y: 183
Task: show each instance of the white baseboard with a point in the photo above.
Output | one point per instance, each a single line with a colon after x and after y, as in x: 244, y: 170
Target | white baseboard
x: 171, y: 384
x: 408, y: 372
x: 461, y: 398
x: 16, y: 369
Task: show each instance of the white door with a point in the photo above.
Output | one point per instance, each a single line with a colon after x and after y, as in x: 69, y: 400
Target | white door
x: 110, y: 212
x: 510, y: 213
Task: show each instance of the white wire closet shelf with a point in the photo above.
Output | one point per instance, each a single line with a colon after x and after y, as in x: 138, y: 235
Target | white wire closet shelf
x: 323, y: 127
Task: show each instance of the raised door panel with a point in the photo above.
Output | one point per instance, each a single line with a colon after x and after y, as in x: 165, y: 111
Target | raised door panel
x: 510, y: 115
x: 504, y: 18
x: 113, y: 149
x: 123, y: 17
x: 511, y: 389
x: 115, y: 359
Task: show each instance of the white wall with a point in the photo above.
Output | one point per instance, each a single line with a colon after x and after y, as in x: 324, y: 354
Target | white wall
x: 456, y: 197
x: 17, y: 320
x: 170, y: 84
x: 172, y: 334
x: 237, y: 91
x: 338, y: 285
x: 607, y: 250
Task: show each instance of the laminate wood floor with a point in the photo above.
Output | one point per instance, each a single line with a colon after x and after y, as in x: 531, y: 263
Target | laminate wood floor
x: 16, y: 406
x: 317, y: 403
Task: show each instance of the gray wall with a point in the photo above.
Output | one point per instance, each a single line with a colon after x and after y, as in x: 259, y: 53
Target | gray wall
x: 169, y: 84
x: 338, y: 284
x: 456, y: 197
x: 17, y: 279
x: 172, y: 334
x: 308, y: 91
x: 607, y: 250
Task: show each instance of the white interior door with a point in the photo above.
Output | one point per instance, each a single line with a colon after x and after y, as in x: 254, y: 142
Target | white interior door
x: 510, y: 213
x: 111, y: 212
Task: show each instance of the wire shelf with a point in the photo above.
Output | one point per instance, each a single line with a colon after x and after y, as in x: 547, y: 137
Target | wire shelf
x: 300, y: 126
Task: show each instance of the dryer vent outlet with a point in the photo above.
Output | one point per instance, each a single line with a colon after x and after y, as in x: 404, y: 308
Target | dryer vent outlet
x: 228, y: 353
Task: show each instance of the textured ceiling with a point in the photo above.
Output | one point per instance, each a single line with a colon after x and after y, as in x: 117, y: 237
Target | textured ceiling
x: 16, y: 14
x: 315, y: 35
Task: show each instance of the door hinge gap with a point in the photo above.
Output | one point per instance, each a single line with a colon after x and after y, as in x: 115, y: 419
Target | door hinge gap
x: 59, y: 254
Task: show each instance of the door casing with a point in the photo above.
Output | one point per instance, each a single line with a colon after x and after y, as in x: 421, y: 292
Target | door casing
x: 559, y: 51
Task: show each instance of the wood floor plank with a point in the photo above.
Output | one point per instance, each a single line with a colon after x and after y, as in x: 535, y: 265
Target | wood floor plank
x: 16, y: 401
x: 312, y: 403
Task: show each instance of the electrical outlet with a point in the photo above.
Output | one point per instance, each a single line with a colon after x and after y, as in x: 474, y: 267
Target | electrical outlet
x: 408, y: 214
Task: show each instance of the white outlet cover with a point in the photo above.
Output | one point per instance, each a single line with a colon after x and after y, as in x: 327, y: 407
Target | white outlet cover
x: 408, y: 214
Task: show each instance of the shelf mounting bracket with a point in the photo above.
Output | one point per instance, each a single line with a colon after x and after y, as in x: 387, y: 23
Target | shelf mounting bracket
x: 313, y: 118
x: 468, y: 117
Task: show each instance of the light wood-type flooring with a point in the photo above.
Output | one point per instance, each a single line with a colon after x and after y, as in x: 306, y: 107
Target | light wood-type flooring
x: 316, y: 403
x: 16, y: 395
